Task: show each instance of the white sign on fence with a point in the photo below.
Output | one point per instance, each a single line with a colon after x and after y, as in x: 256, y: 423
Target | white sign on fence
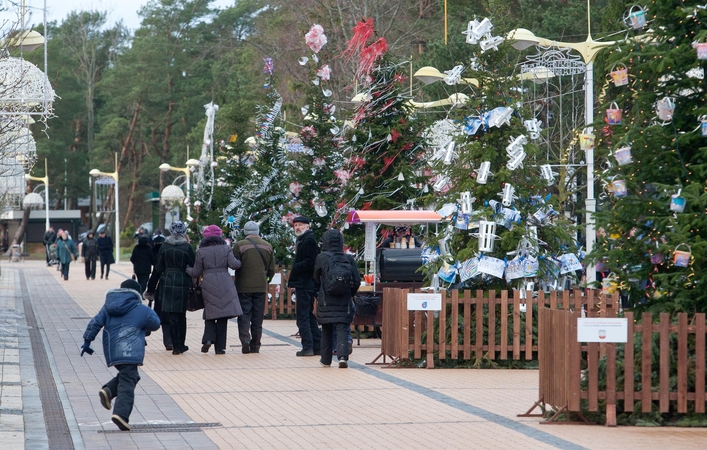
x: 424, y: 302
x: 276, y: 279
x: 597, y: 329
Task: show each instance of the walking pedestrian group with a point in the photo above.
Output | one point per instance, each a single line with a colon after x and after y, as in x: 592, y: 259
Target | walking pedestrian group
x: 165, y: 271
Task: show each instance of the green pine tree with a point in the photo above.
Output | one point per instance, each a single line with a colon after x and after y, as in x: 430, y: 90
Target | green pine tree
x: 645, y: 226
x: 262, y: 197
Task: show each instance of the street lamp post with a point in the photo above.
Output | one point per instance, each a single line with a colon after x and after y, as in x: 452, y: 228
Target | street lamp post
x: 114, y: 175
x: 45, y: 180
x: 588, y: 50
x: 187, y: 173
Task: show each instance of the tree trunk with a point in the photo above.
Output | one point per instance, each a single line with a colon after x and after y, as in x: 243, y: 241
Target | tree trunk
x: 20, y: 234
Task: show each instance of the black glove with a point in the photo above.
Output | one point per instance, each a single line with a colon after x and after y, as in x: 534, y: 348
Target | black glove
x: 86, y: 348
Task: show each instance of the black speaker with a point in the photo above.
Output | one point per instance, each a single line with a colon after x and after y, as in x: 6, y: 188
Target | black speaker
x: 400, y: 264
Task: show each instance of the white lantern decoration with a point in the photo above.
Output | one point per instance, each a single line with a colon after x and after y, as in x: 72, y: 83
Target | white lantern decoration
x: 454, y: 75
x: 487, y: 235
x: 516, y: 161
x: 483, y: 172
x: 508, y: 194
x: 491, y: 43
x: 445, y: 154
x: 26, y: 89
x: 533, y: 127
x: 465, y: 201
x: 441, y: 182
x: 171, y: 195
x: 547, y: 174
x: 516, y: 145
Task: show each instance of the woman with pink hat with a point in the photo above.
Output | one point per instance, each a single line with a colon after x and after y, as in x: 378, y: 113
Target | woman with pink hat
x: 213, y: 259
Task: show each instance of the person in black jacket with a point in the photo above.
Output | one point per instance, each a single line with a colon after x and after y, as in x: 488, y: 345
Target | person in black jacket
x: 301, y: 280
x: 334, y: 311
x: 89, y: 251
x: 105, y: 252
x: 142, y: 259
x: 49, y: 239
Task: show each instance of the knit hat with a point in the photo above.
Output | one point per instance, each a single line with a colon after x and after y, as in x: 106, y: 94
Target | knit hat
x: 212, y: 230
x: 300, y: 219
x: 131, y: 284
x: 251, y: 228
x: 178, y: 228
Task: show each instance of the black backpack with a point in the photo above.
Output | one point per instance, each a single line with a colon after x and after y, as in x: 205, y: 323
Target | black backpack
x: 338, y: 279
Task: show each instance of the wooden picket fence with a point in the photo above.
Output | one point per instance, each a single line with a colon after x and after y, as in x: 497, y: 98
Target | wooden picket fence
x: 492, y: 323
x: 280, y: 299
x: 680, y: 343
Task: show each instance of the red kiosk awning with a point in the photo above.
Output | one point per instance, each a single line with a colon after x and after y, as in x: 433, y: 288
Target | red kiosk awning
x: 401, y: 217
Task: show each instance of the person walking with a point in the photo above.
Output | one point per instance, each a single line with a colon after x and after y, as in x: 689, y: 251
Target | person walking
x: 142, y: 258
x: 49, y: 239
x: 338, y: 279
x: 213, y: 259
x: 105, y: 252
x: 157, y: 241
x: 174, y: 283
x: 65, y: 253
x: 257, y: 269
x: 301, y: 279
x: 125, y: 322
x: 89, y: 251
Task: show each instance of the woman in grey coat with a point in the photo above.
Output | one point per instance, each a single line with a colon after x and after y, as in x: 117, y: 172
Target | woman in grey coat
x: 213, y: 259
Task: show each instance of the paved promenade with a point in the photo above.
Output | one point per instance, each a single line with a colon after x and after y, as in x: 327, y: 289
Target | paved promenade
x: 270, y: 400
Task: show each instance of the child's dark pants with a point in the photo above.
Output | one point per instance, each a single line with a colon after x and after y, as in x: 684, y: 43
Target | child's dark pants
x: 122, y: 389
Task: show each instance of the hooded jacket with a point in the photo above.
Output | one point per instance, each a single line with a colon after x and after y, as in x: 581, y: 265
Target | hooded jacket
x: 333, y: 309
x: 124, y: 320
x: 213, y: 259
x: 89, y: 249
x: 303, y: 265
x: 142, y: 256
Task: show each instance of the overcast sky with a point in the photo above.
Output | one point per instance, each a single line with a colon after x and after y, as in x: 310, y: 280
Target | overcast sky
x: 59, y: 9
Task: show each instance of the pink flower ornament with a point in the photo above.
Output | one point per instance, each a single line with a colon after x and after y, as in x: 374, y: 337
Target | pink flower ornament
x: 324, y: 72
x: 316, y: 38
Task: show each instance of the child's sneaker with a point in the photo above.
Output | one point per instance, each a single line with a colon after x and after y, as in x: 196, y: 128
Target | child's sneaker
x: 105, y: 397
x: 343, y: 364
x: 122, y: 423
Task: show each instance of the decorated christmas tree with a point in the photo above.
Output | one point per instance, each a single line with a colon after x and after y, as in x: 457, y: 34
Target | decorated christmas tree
x: 385, y: 167
x: 316, y: 159
x: 493, y: 180
x: 654, y: 148
x: 263, y: 196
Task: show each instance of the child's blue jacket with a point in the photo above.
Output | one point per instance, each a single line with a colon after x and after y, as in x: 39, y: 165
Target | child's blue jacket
x: 124, y: 320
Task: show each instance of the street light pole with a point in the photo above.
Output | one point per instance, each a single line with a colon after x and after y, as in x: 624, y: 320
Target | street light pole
x: 114, y: 175
x: 187, y: 173
x: 45, y: 180
x: 588, y: 50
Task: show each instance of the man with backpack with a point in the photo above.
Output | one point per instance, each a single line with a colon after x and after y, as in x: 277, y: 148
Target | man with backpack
x: 338, y: 280
x: 301, y: 280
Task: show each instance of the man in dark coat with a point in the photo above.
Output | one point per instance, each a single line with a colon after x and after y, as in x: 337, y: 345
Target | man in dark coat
x: 125, y: 321
x: 334, y: 311
x: 257, y: 268
x: 105, y: 251
x: 174, y: 283
x: 142, y: 259
x: 49, y: 239
x: 301, y: 280
x: 89, y: 251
